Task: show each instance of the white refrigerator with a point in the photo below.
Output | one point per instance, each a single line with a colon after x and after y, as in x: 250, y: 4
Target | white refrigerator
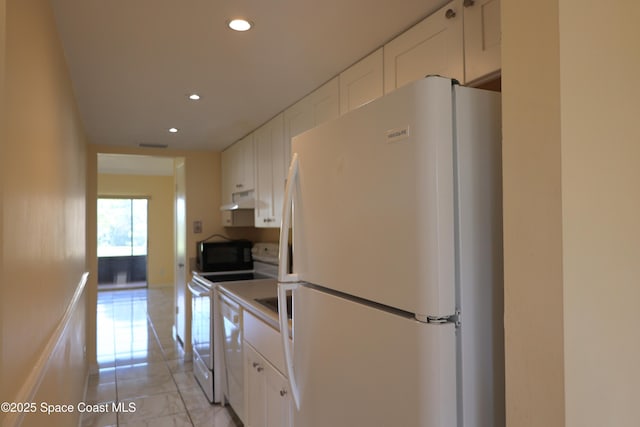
x: 395, y: 214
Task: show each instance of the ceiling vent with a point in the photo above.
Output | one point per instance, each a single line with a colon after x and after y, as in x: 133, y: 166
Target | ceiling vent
x: 149, y: 145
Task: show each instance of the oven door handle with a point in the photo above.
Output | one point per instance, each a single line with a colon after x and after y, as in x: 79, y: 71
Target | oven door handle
x: 198, y: 290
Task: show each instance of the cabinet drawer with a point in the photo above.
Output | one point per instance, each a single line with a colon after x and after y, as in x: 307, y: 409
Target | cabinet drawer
x: 265, y: 339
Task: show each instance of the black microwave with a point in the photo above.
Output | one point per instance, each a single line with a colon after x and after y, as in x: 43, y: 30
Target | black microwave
x: 230, y: 255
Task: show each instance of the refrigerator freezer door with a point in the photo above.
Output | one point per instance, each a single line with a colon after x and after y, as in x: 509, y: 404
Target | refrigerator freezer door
x: 373, y: 203
x: 360, y: 366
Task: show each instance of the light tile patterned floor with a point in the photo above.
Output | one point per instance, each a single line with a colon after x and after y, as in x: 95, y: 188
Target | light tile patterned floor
x: 142, y: 366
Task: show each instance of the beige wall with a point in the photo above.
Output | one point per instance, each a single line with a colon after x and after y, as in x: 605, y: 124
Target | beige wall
x: 160, y: 192
x: 532, y: 214
x: 572, y: 204
x: 600, y: 98
x: 43, y: 208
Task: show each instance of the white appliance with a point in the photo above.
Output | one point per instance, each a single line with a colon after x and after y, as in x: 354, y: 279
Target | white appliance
x: 397, y: 263
x: 231, y: 315
x: 208, y: 329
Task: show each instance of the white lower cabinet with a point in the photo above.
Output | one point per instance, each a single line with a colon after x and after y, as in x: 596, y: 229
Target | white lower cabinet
x: 267, y: 397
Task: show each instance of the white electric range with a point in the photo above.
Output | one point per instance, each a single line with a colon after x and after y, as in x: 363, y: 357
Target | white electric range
x: 207, y: 328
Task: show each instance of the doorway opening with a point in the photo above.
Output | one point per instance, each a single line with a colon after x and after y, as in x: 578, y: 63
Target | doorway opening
x: 122, y: 243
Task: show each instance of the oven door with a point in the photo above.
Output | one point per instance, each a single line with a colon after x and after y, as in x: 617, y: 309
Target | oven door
x: 201, y: 335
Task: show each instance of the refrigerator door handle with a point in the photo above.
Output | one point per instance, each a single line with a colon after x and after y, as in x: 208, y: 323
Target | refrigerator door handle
x: 284, y: 333
x: 283, y: 261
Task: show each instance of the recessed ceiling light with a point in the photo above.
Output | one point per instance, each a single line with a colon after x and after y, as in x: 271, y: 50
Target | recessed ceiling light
x: 173, y: 130
x: 240, y: 24
x: 194, y: 96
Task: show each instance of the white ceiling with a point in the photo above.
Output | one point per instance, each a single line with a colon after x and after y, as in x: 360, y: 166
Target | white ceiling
x: 133, y: 62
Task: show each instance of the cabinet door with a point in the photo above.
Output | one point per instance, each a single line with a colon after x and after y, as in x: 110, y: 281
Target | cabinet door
x: 433, y: 46
x: 325, y: 102
x: 264, y: 176
x: 238, y: 168
x: 297, y: 119
x: 362, y: 82
x: 481, y: 38
x: 243, y: 164
x: 319, y: 106
x: 270, y: 173
x: 278, y: 400
x: 226, y: 171
x: 255, y: 388
x: 268, y: 402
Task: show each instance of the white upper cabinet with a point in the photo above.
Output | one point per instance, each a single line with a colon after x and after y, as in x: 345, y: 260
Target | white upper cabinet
x: 319, y: 106
x: 238, y: 168
x: 226, y: 178
x: 481, y: 38
x: 433, y: 46
x: 324, y: 102
x: 271, y: 168
x: 362, y: 82
x: 461, y: 40
x: 238, y: 176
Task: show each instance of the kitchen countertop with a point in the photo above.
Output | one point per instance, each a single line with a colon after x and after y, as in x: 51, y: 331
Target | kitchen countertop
x: 245, y: 293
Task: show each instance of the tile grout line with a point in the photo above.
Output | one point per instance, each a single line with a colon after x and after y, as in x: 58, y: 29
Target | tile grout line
x: 123, y: 309
x: 164, y: 359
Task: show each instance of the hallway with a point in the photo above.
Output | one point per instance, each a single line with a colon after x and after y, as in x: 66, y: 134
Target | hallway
x: 142, y: 368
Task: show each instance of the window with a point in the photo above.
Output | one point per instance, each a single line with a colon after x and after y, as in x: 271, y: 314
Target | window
x: 122, y: 227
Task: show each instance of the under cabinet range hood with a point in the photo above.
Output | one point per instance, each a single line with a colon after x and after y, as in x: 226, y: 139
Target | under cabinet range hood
x: 243, y: 200
x: 239, y: 213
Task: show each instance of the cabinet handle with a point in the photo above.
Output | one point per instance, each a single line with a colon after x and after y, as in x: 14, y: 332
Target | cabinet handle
x: 468, y: 3
x: 450, y: 13
x: 258, y: 367
x: 283, y: 392
x: 239, y: 185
